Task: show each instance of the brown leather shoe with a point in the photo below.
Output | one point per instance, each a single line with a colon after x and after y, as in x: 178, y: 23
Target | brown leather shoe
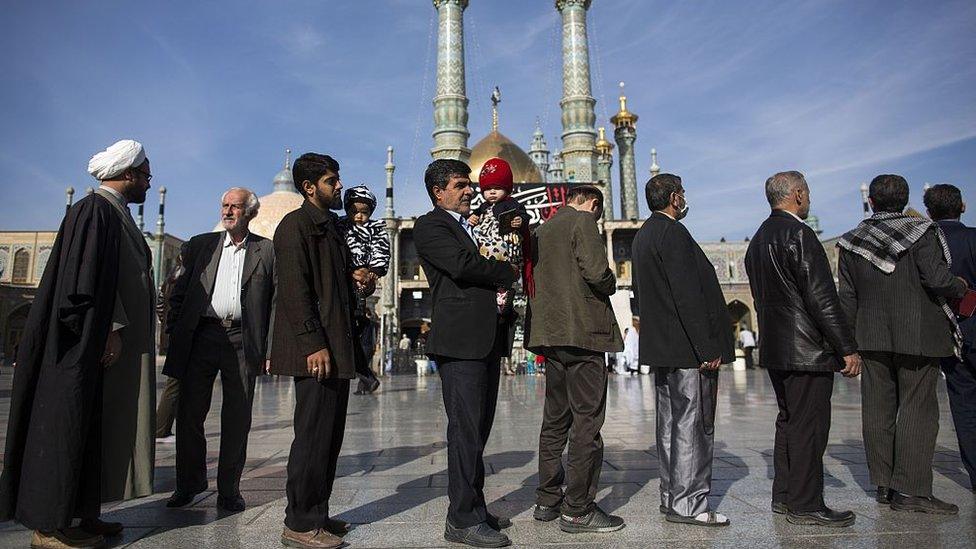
x: 98, y: 527
x: 313, y: 539
x: 336, y: 526
x: 68, y: 538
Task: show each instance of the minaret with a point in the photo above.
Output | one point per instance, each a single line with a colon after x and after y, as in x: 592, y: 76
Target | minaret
x: 141, y: 217
x: 655, y: 169
x: 625, y: 133
x: 160, y: 234
x: 69, y: 198
x: 450, y: 102
x: 389, y: 295
x: 283, y: 181
x: 579, y: 134
x: 864, y: 200
x: 604, y: 161
x: 556, y: 168
x: 539, y: 151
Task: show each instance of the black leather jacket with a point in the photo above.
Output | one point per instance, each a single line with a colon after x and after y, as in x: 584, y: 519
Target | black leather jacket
x: 801, y: 323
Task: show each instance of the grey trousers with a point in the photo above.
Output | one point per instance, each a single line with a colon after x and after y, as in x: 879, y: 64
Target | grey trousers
x: 900, y: 420
x: 685, y: 399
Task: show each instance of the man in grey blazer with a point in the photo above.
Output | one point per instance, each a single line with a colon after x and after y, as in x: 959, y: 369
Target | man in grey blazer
x: 220, y: 311
x: 894, y: 282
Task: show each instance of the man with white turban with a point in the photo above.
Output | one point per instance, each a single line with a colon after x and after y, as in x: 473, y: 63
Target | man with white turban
x: 81, y: 413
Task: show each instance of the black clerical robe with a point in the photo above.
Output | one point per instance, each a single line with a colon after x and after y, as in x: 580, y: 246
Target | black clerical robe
x: 53, y: 456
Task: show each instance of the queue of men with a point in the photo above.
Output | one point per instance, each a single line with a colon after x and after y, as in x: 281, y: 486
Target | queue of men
x: 81, y: 424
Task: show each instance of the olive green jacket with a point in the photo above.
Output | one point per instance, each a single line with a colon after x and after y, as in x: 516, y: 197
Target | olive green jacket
x: 573, y: 285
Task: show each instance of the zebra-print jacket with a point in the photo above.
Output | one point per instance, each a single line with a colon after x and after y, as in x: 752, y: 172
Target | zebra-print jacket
x: 369, y: 245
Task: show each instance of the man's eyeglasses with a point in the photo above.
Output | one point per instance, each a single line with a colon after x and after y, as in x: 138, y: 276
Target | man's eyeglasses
x: 147, y: 175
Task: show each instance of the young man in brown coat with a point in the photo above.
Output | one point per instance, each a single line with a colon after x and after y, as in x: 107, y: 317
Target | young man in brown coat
x: 313, y: 342
x: 571, y: 323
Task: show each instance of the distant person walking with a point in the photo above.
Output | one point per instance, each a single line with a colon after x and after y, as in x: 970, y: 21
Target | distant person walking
x: 747, y: 342
x: 570, y: 322
x: 894, y: 280
x: 676, y: 286
x: 805, y: 339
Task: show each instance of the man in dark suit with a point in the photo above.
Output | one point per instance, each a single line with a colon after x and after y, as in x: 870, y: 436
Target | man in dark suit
x: 571, y: 323
x: 894, y: 279
x: 220, y: 310
x: 467, y: 338
x: 945, y: 206
x: 676, y: 286
x: 804, y: 339
x: 313, y: 342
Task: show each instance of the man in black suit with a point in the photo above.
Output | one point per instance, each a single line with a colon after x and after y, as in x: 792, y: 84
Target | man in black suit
x: 945, y: 206
x: 467, y: 338
x: 676, y: 286
x: 220, y: 310
x: 804, y: 339
x: 894, y: 280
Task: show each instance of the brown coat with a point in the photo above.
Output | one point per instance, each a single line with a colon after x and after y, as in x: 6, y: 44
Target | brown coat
x: 314, y: 299
x: 573, y: 285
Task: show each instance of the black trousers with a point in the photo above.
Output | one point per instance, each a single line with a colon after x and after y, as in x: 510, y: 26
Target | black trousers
x: 576, y: 401
x: 900, y: 420
x: 215, y: 350
x: 470, y: 389
x: 961, y: 386
x: 320, y: 422
x: 802, y: 427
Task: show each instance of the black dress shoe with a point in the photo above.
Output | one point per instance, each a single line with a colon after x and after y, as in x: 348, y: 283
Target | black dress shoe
x: 779, y: 508
x: 181, y: 499
x: 595, y: 522
x: 479, y: 535
x: 824, y: 517
x: 498, y: 523
x: 234, y: 504
x: 545, y: 513
x: 918, y: 504
x: 372, y: 385
x: 883, y: 495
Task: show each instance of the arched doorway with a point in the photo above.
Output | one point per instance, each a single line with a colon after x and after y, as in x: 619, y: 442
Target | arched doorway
x: 13, y: 331
x: 741, y: 316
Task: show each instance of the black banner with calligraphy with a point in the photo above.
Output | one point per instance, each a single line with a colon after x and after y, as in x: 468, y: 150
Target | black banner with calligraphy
x: 540, y: 200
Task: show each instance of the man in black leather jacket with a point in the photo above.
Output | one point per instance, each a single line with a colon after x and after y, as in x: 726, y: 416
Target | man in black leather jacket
x: 805, y: 338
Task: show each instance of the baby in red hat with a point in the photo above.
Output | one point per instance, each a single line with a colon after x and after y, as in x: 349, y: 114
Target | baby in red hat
x: 501, y: 223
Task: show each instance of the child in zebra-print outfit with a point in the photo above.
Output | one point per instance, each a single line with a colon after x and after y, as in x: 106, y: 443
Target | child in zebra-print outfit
x: 369, y: 249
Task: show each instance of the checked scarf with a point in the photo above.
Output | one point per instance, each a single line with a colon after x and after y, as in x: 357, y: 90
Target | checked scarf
x: 885, y: 237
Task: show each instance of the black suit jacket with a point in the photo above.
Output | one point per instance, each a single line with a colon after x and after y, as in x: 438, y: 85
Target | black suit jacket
x: 899, y: 312
x: 962, y: 247
x: 191, y: 295
x: 315, y: 301
x: 686, y: 320
x: 463, y: 284
x: 801, y: 323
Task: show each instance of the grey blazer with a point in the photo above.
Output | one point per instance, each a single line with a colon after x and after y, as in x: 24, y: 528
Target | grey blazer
x: 899, y: 312
x: 193, y: 289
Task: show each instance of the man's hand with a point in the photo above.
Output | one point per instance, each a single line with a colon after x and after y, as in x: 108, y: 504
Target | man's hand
x: 361, y: 275
x: 852, y: 365
x: 319, y: 364
x: 711, y: 364
x: 113, y: 348
x: 517, y: 222
x: 473, y: 220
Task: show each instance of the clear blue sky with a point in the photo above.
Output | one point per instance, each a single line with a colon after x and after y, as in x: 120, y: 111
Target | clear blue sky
x: 728, y: 92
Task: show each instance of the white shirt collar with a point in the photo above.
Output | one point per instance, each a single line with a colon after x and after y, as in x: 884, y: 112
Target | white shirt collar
x: 662, y: 212
x: 118, y: 196
x: 457, y: 217
x: 794, y: 216
x: 230, y: 242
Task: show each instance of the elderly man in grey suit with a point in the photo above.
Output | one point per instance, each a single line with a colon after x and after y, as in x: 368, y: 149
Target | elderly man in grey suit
x: 220, y: 311
x: 571, y: 323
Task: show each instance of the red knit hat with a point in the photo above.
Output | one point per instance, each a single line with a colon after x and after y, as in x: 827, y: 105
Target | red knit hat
x: 496, y: 174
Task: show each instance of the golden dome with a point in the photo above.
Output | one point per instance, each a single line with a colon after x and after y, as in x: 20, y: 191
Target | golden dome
x: 494, y: 145
x: 603, y: 146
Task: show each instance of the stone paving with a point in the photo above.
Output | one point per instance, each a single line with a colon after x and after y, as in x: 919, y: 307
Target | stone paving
x: 393, y: 479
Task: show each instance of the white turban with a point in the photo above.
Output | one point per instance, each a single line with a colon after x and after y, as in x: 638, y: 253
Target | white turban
x: 116, y: 159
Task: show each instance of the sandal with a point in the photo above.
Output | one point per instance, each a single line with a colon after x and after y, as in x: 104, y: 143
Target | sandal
x: 708, y: 518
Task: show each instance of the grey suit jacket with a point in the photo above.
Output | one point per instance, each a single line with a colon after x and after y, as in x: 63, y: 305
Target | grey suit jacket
x: 193, y: 290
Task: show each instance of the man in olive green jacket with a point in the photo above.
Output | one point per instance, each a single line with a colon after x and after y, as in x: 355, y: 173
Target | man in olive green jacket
x: 571, y: 323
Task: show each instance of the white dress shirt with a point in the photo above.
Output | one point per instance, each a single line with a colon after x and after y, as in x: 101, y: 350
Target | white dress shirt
x: 226, y: 300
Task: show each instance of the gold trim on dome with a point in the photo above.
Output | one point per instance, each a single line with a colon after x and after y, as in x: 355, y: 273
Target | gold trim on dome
x: 494, y: 145
x: 603, y: 146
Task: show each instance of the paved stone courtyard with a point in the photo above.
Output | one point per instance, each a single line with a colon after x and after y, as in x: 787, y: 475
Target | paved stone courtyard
x: 393, y: 479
